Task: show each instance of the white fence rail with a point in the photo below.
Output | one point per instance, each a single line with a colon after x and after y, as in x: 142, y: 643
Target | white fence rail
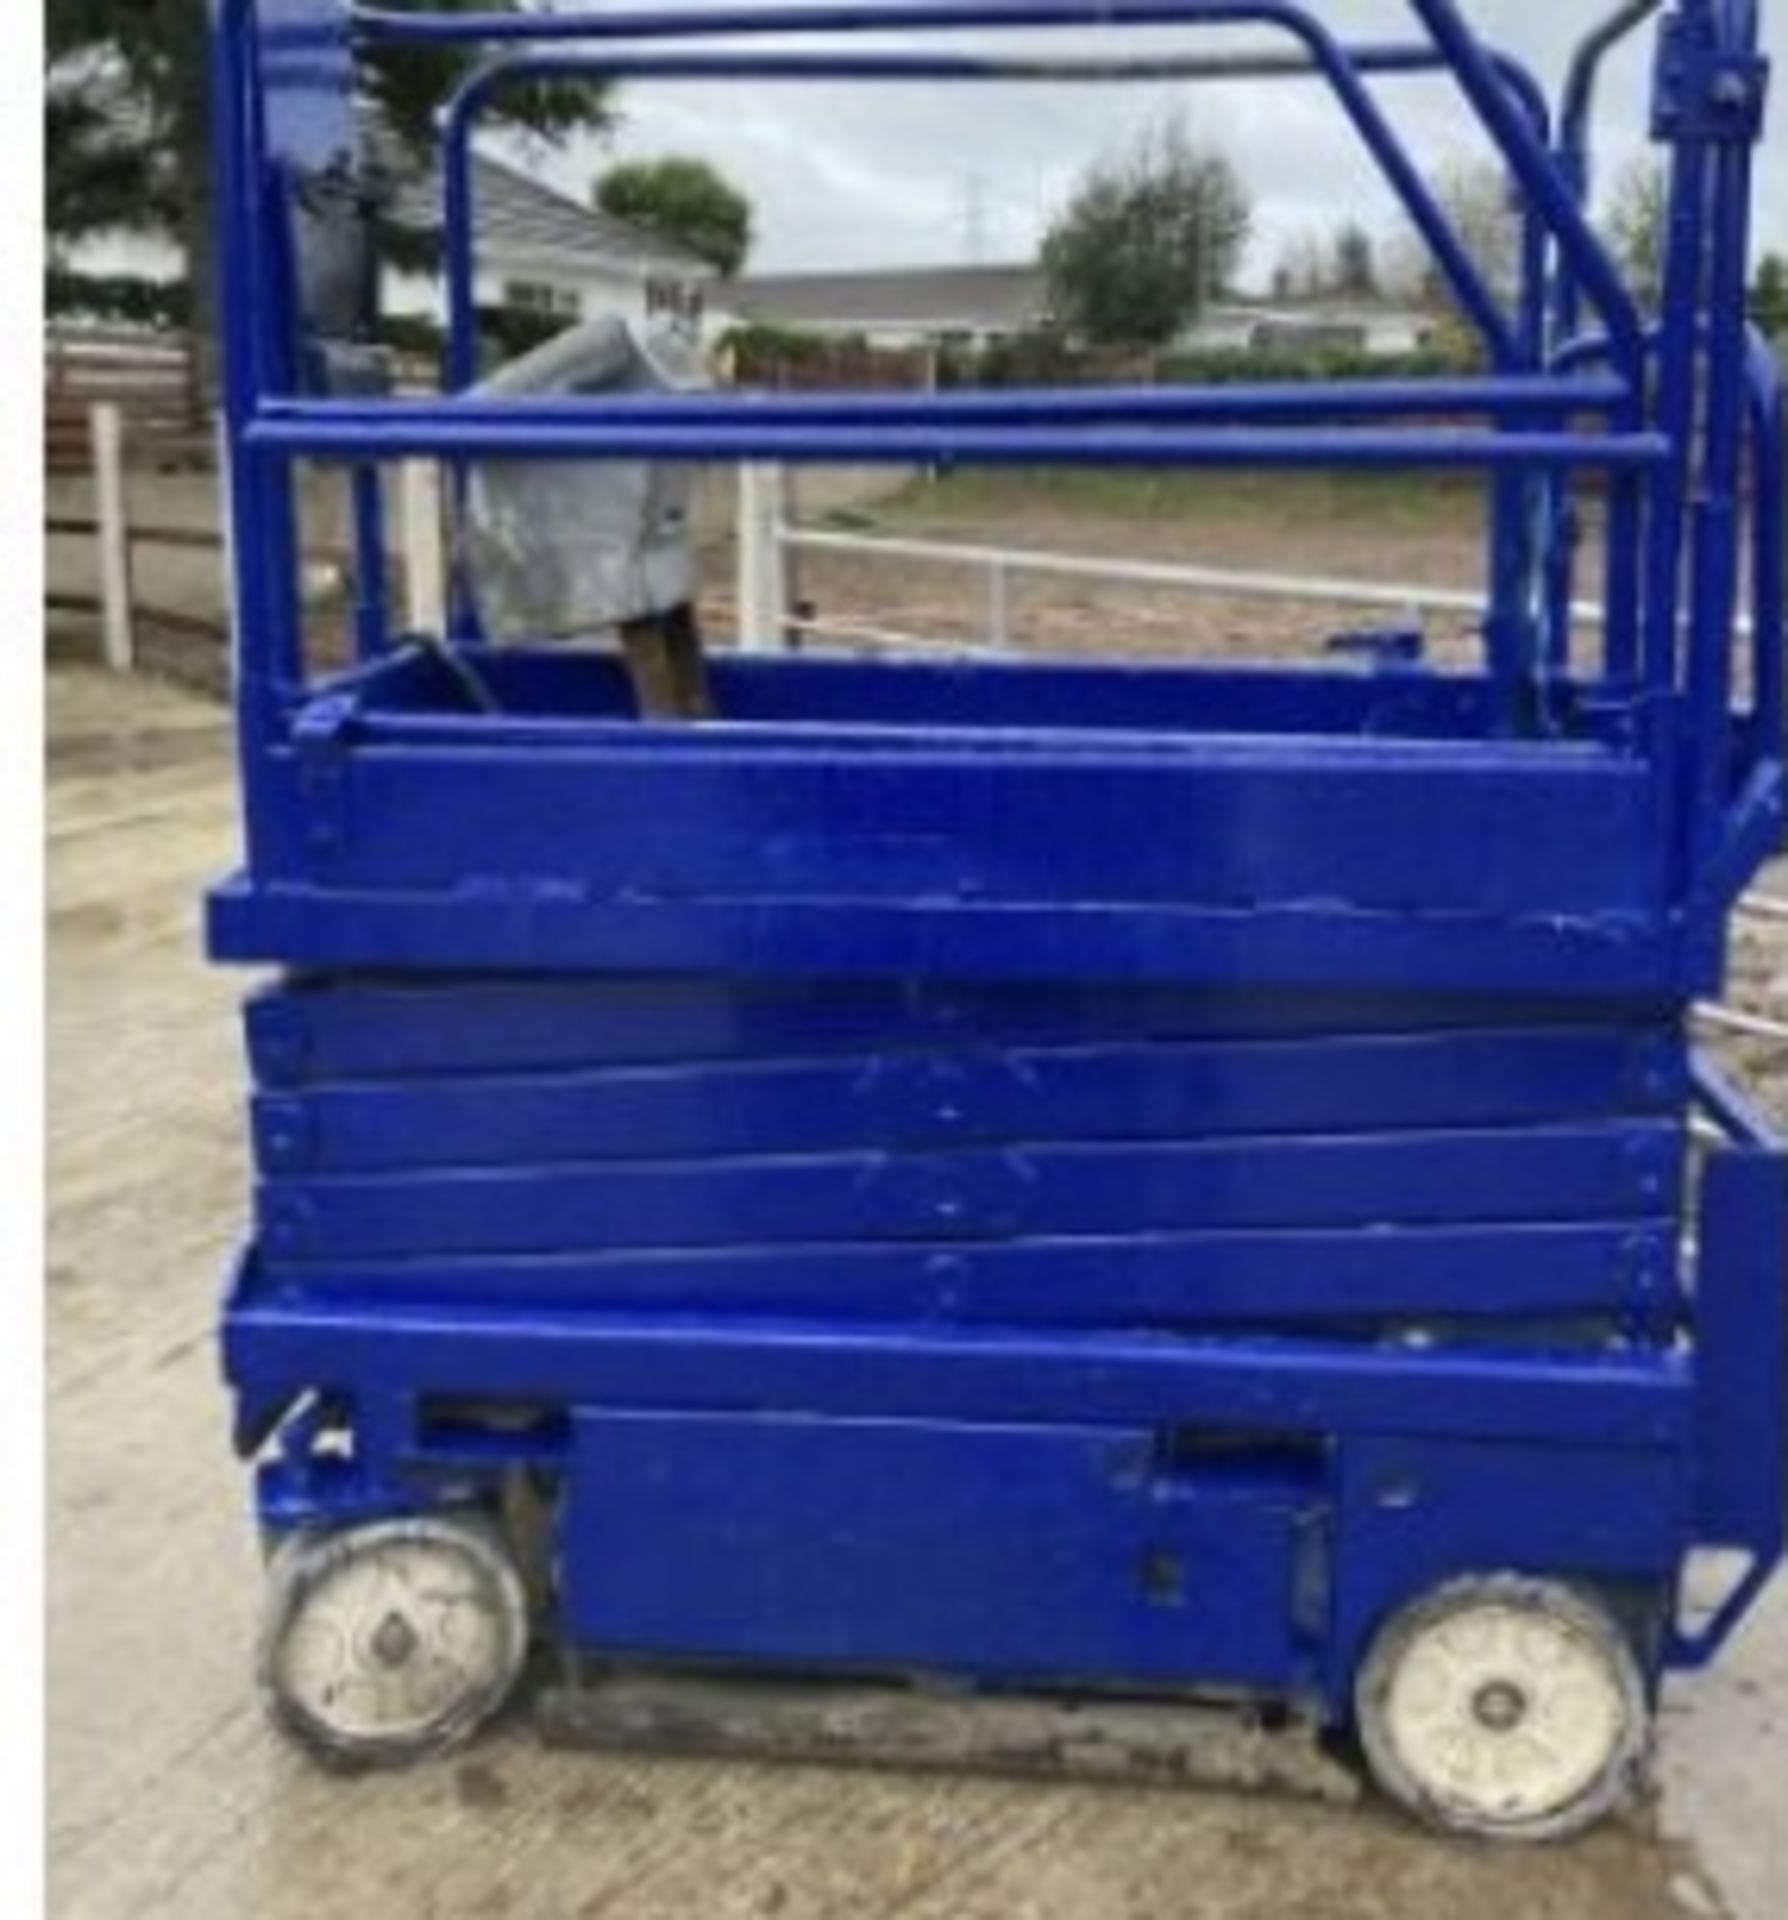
x: 767, y: 536
x: 1753, y: 1026
x: 117, y: 534
x: 1001, y: 566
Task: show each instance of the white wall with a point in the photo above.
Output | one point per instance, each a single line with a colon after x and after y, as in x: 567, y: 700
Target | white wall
x: 1223, y: 326
x: 1397, y: 333
x: 137, y: 256
x: 596, y: 288
x: 1220, y: 329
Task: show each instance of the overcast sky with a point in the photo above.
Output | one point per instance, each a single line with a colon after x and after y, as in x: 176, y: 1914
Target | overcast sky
x: 855, y: 176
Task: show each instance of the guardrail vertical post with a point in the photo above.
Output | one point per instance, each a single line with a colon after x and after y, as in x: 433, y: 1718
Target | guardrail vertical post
x: 425, y: 557
x: 113, y: 512
x: 763, y: 583
x: 226, y: 528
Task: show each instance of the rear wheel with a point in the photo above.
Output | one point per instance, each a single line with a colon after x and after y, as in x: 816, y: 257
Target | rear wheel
x: 1505, y: 1707
x: 389, y: 1642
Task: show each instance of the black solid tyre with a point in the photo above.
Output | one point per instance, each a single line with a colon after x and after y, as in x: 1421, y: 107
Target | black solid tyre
x: 1504, y: 1707
x: 390, y: 1642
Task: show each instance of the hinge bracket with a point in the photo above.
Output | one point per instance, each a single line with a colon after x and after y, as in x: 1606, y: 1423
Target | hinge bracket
x: 1706, y: 92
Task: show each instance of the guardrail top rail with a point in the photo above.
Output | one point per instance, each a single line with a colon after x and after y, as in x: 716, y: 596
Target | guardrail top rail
x: 1669, y: 413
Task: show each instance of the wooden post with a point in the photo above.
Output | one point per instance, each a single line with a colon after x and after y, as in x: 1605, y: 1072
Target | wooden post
x: 425, y: 555
x: 763, y: 587
x: 107, y: 424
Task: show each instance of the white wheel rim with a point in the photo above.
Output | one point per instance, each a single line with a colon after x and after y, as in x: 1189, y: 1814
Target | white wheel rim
x: 1504, y: 1713
x: 395, y: 1640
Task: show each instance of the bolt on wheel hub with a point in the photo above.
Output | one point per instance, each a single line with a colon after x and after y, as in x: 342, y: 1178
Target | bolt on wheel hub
x: 1499, y: 1706
x: 396, y: 1640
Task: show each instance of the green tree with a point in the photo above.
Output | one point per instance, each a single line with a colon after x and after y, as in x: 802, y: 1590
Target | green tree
x: 681, y: 200
x: 1147, y: 239
x: 1482, y: 211
x: 1302, y: 272
x: 1636, y: 223
x: 1480, y: 208
x: 1355, y: 274
x: 1769, y: 296
x: 147, y: 62
x: 97, y: 177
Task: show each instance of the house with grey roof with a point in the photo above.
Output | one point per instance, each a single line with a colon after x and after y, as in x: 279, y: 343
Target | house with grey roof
x: 971, y: 305
x: 538, y: 249
x: 541, y: 251
x: 895, y: 306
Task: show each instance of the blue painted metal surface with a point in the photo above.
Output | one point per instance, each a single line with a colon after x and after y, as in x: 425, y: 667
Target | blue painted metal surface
x: 756, y: 1540
x: 1038, y: 1172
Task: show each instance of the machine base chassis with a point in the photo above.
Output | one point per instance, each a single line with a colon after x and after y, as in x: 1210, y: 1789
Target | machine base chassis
x: 801, y: 1719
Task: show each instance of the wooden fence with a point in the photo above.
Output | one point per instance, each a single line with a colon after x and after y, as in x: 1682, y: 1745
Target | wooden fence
x: 107, y: 436
x: 152, y: 379
x: 120, y: 605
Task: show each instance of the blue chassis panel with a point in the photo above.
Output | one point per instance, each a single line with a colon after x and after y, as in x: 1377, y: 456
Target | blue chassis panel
x: 1410, y: 1468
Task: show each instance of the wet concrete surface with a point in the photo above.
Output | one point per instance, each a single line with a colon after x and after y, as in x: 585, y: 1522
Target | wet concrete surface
x: 169, y: 1798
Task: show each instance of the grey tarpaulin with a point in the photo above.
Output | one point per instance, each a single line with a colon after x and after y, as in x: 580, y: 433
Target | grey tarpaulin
x: 561, y: 549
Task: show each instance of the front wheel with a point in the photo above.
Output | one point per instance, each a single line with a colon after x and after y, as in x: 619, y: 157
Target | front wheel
x: 393, y: 1641
x: 1504, y: 1707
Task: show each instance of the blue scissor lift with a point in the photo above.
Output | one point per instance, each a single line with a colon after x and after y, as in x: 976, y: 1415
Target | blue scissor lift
x: 1067, y: 1179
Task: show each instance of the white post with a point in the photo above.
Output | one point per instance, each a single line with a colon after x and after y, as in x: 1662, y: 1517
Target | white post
x: 763, y: 584
x: 107, y: 425
x: 999, y: 603
x: 425, y: 556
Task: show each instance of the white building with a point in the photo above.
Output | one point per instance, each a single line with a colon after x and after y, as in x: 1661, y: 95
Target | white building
x: 972, y: 305
x: 538, y: 250
x: 1295, y: 326
x: 895, y: 306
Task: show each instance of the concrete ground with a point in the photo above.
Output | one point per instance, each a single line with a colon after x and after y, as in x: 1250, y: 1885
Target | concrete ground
x: 169, y: 1797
